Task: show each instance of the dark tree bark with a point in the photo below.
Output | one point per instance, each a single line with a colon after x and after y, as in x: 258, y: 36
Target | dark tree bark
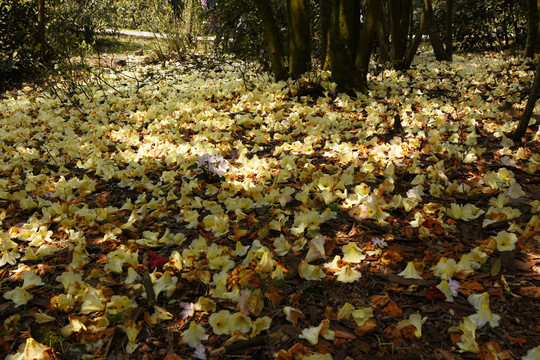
x: 433, y: 32
x: 449, y: 26
x: 365, y: 46
x: 299, y: 37
x: 415, y: 44
x: 529, y: 108
x: 399, y: 20
x: 342, y: 57
x: 382, y: 35
x: 350, y: 48
x: 324, y: 28
x: 42, y: 36
x: 273, y: 39
x: 532, y: 28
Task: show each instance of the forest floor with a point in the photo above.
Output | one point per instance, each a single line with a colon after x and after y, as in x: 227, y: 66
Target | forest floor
x: 196, y: 210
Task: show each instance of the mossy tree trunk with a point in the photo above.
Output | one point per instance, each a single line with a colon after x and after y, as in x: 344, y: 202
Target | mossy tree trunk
x: 299, y: 37
x: 273, y: 39
x: 532, y: 27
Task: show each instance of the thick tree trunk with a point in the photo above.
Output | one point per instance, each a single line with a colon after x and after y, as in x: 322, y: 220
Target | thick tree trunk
x: 273, y: 39
x: 299, y: 37
x: 398, y: 45
x: 433, y: 32
x: 342, y: 57
x: 529, y: 108
x: 324, y: 28
x: 383, y: 37
x: 365, y: 46
x: 449, y: 25
x: 532, y: 28
x: 42, y: 36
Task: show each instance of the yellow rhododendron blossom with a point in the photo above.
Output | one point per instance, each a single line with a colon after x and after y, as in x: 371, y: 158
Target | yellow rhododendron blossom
x: 205, y: 304
x: 347, y: 275
x: 91, y: 302
x: 120, y: 303
x: 345, y: 312
x: 360, y: 316
x: 467, y: 343
x: 266, y: 264
x: 311, y: 334
x: 410, y: 272
x: 175, y: 260
x: 160, y: 314
x: 42, y: 318
x: 220, y: 322
x: 19, y: 296
x: 316, y: 249
x: 310, y: 272
x: 485, y: 316
x: 445, y: 267
x: 31, y: 279
x: 352, y: 253
x: 194, y: 335
x: 132, y: 276
x: 506, y: 241
x: 166, y: 283
x: 132, y: 329
x: 417, y: 321
x: 532, y: 354
x: 477, y: 300
x: 259, y: 325
x: 240, y: 322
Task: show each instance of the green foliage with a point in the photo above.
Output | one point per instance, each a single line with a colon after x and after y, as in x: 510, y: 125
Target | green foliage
x: 18, y: 44
x: 486, y: 25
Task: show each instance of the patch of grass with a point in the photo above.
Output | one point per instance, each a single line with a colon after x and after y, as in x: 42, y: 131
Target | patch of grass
x: 122, y: 45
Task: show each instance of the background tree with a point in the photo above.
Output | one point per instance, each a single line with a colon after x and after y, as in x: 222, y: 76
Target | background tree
x: 273, y: 39
x: 533, y: 27
x: 299, y: 37
x: 351, y: 51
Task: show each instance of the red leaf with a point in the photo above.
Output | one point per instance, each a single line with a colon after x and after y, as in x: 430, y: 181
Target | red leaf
x: 156, y: 260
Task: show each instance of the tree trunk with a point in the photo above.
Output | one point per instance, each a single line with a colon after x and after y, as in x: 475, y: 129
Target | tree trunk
x: 417, y: 40
x: 42, y: 36
x: 324, y: 28
x: 342, y: 58
x: 398, y: 45
x: 382, y: 36
x: 433, y: 32
x: 532, y: 28
x: 449, y: 24
x: 529, y: 108
x: 365, y: 46
x: 273, y: 39
x: 299, y: 37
